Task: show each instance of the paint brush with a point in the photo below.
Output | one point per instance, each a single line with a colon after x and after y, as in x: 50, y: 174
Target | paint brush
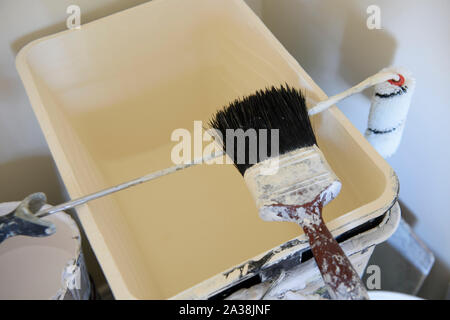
x: 295, y: 181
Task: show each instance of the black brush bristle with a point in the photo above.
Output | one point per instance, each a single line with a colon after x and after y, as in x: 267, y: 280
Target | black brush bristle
x: 281, y: 108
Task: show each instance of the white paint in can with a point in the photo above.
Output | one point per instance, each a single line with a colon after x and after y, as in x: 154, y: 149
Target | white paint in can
x: 43, y: 268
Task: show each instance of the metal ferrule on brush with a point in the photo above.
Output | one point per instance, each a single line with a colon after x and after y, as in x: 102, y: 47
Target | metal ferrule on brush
x: 298, y: 178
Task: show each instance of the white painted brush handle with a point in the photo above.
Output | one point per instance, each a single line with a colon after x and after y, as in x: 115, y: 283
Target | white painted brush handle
x: 371, y: 81
x: 108, y: 191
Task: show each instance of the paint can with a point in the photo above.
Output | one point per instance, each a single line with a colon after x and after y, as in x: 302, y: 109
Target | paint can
x: 388, y: 112
x: 50, y: 267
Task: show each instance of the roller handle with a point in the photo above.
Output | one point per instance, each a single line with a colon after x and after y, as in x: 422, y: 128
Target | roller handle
x: 341, y: 279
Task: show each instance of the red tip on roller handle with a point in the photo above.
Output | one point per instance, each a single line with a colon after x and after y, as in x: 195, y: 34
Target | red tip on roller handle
x: 399, y: 82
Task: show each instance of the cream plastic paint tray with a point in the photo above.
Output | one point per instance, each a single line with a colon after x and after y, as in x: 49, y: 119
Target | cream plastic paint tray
x: 108, y: 97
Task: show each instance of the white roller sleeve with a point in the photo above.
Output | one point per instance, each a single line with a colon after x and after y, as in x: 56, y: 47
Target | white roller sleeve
x: 389, y: 109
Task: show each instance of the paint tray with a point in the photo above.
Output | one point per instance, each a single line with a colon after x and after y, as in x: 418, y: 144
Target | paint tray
x: 108, y: 97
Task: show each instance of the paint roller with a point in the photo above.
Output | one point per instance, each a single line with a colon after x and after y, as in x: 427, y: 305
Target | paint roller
x: 390, y: 103
x: 389, y: 109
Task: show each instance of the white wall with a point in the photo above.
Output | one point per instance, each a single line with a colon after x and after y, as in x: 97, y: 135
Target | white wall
x: 331, y: 41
